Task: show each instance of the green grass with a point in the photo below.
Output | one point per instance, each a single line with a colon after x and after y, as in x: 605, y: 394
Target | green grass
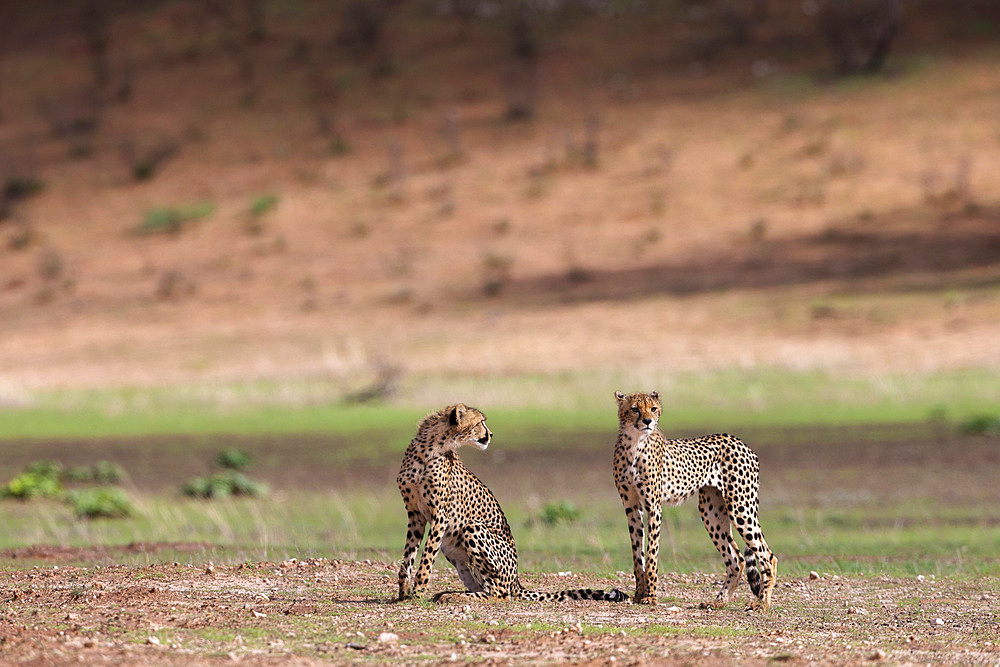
x: 879, y: 539
x: 516, y: 406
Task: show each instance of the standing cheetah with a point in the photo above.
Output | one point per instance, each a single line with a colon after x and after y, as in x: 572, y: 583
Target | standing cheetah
x: 465, y: 519
x: 651, y: 470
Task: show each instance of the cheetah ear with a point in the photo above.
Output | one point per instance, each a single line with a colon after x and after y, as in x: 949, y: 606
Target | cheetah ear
x: 456, y: 414
x: 655, y: 395
x: 619, y: 395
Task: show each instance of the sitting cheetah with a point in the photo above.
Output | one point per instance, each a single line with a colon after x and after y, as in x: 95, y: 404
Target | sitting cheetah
x: 465, y: 519
x: 651, y: 470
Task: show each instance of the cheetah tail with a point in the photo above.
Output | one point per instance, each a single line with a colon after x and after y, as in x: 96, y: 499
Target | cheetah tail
x: 614, y: 595
x: 753, y: 574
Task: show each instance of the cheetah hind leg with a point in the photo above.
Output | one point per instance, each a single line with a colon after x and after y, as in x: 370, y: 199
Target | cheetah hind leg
x: 715, y: 515
x: 764, y: 584
x: 488, y: 569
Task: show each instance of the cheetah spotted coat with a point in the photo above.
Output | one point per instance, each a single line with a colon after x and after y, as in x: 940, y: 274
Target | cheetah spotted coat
x: 651, y: 470
x: 461, y: 516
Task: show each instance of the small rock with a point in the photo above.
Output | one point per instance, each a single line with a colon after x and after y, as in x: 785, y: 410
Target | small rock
x: 938, y: 621
x: 813, y: 575
x: 259, y: 614
x: 388, y: 638
x: 920, y: 577
x: 88, y: 643
x: 354, y: 646
x: 489, y: 639
x: 673, y: 609
x: 879, y: 654
x: 154, y: 641
x: 210, y: 568
x: 858, y: 610
x: 71, y: 616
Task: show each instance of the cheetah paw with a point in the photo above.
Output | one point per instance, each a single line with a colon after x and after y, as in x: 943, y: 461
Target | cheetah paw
x: 646, y: 599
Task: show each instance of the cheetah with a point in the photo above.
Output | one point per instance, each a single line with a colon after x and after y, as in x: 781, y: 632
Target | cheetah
x: 651, y: 470
x: 462, y: 517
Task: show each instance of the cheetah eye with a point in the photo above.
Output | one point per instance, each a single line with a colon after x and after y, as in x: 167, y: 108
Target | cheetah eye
x: 635, y: 408
x: 654, y: 409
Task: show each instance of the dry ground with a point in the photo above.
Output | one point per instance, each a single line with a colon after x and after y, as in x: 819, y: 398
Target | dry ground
x: 728, y: 220
x: 319, y: 610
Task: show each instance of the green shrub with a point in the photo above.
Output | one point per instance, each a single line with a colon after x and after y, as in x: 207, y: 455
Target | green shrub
x: 29, y: 485
x: 223, y: 485
x: 263, y: 203
x: 102, y: 472
x: 560, y: 512
x: 106, y: 472
x: 234, y: 458
x: 43, y: 468
x: 169, y: 220
x: 100, y: 502
x: 981, y: 425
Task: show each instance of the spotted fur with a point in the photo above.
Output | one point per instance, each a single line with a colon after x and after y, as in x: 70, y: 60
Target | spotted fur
x: 651, y: 471
x: 461, y: 516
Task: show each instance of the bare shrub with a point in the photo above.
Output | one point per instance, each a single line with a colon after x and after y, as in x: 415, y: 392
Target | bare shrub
x: 859, y: 33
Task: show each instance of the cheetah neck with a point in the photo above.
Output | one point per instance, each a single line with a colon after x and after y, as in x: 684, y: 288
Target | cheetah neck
x: 631, y: 441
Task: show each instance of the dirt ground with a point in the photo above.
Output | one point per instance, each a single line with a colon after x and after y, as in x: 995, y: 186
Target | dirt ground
x: 313, y: 611
x: 786, y: 221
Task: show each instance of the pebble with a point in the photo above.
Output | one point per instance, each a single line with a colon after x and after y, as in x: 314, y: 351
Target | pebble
x: 388, y: 638
x: 813, y: 575
x: 879, y: 654
x: 858, y: 610
x: 210, y: 568
x: 154, y: 641
x: 939, y: 621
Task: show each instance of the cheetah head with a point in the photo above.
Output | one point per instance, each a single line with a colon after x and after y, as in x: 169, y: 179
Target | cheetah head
x: 467, y: 426
x: 639, y: 411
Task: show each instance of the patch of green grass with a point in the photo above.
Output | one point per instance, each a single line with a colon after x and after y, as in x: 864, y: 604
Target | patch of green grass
x: 263, y: 203
x: 170, y: 220
x: 518, y: 407
x: 100, y: 503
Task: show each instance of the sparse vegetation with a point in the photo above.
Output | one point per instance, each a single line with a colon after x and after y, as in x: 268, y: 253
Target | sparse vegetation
x: 982, y: 424
x: 170, y: 220
x: 229, y: 482
x: 47, y: 479
x: 562, y: 511
x: 223, y: 484
x: 234, y: 458
x: 100, y: 503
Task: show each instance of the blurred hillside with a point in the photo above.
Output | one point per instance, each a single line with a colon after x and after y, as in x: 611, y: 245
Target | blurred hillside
x: 360, y: 190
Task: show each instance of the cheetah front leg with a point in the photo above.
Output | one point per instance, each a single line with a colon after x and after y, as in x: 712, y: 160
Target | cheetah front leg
x: 414, y: 534
x: 633, y: 514
x: 435, y: 535
x: 654, y: 523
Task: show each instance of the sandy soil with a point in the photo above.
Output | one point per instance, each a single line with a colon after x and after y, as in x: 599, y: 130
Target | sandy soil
x: 729, y: 220
x: 318, y: 610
